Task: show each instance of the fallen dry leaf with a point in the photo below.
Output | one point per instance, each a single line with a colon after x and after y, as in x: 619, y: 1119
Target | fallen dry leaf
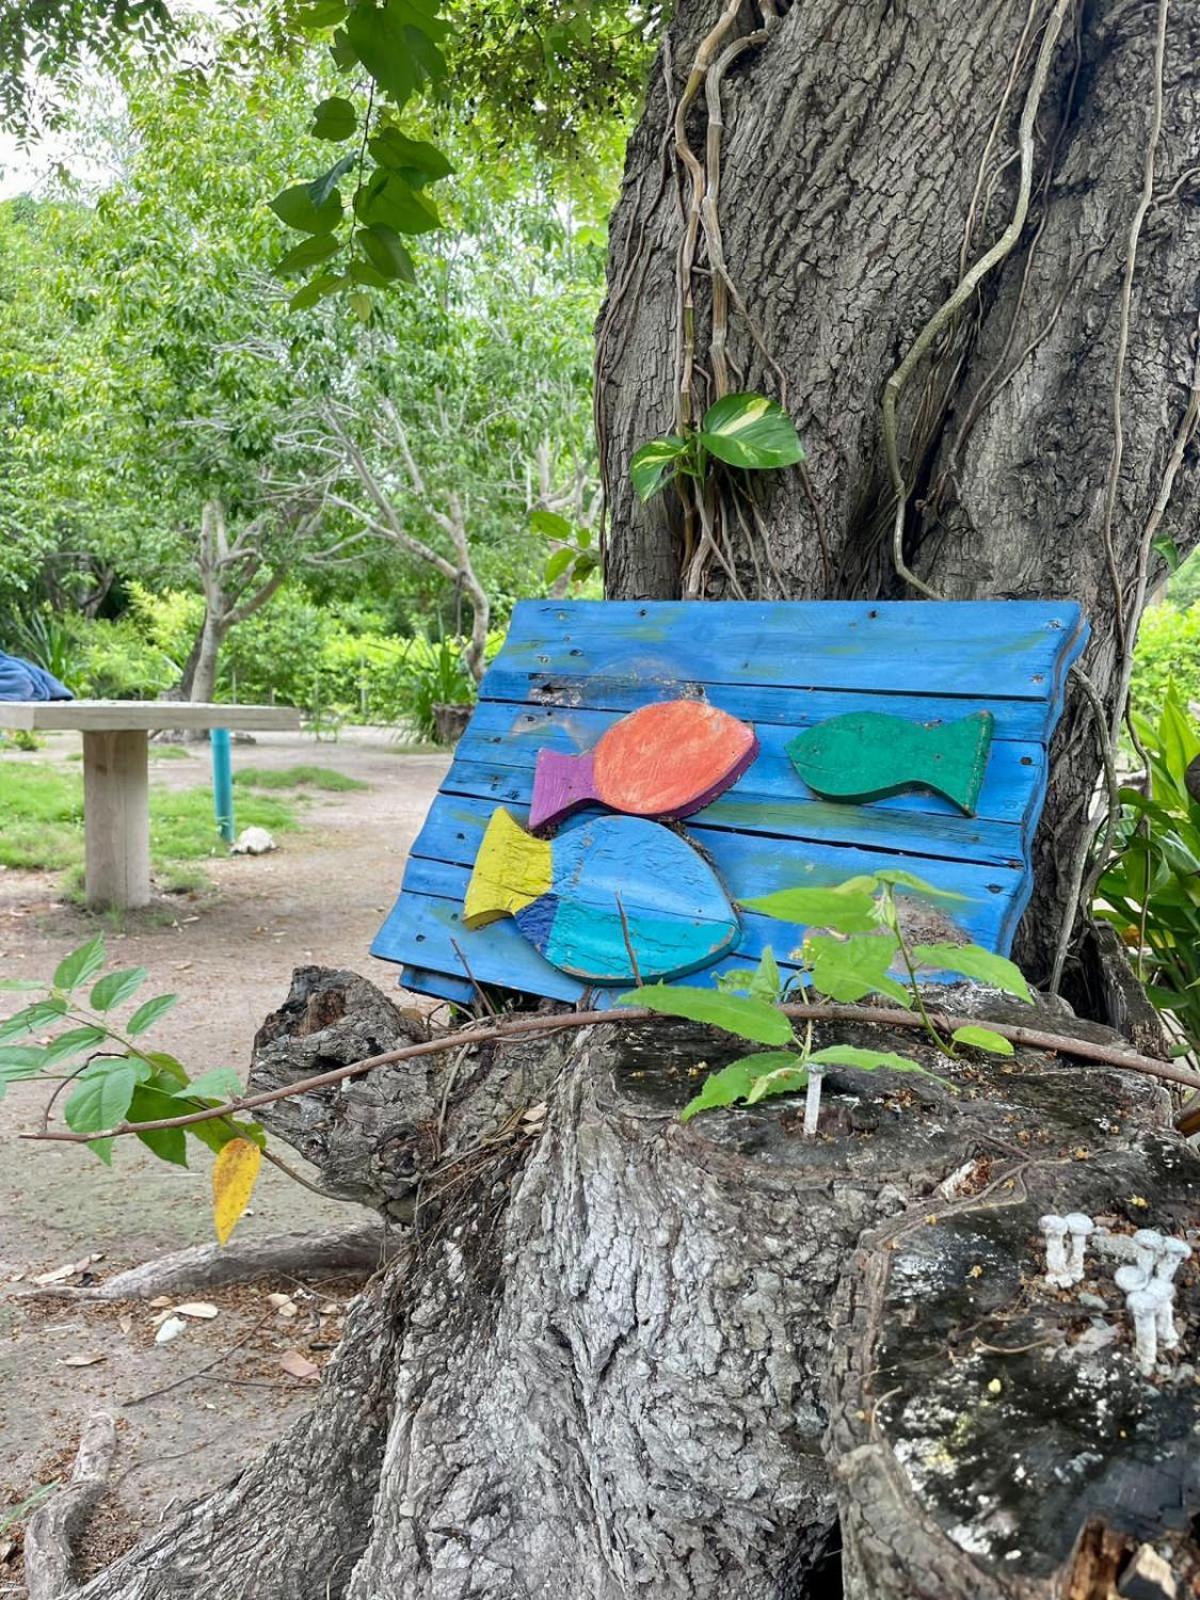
x: 79, y: 1361
x: 125, y: 1324
x: 171, y: 1329
x: 160, y: 1300
x: 58, y: 1274
x: 297, y: 1365
x: 204, y: 1310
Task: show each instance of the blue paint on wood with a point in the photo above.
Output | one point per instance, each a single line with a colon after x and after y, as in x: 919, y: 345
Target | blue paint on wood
x: 570, y: 669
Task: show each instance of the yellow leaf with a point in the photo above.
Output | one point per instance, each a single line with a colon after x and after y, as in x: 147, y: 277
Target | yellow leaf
x: 234, y: 1174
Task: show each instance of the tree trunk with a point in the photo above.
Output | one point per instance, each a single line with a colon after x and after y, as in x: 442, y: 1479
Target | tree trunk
x: 869, y: 156
x: 604, y: 1369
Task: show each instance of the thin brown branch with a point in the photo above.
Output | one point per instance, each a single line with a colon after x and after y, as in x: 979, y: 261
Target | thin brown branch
x: 525, y: 1027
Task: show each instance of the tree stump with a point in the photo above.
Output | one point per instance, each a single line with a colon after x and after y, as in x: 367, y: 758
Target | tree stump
x: 625, y: 1356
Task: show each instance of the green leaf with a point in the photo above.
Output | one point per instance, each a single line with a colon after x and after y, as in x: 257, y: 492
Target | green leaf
x: 148, y: 1014
x: 557, y: 564
x: 308, y: 253
x: 104, y: 1092
x: 396, y: 204
x: 388, y: 41
x: 166, y: 1066
x: 974, y: 962
x: 20, y: 985
x: 550, y: 524
x: 81, y: 965
x: 295, y: 207
x: 117, y: 987
x: 1166, y: 547
x: 983, y: 1039
x: 844, y: 910
x: 151, y: 1105
x: 385, y: 250
x: 21, y: 1060
x: 31, y: 1017
x: 584, y: 566
x: 909, y: 880
x: 72, y: 1043
x: 656, y: 463
x: 417, y: 161
x: 848, y: 1055
x: 321, y: 14
x: 749, y: 1019
x: 316, y: 289
x: 334, y: 118
x: 736, y: 1081
x: 218, y: 1132
x: 218, y: 1083
x: 320, y: 189
x: 851, y: 969
x: 748, y: 430
x: 766, y: 982
x: 785, y: 1078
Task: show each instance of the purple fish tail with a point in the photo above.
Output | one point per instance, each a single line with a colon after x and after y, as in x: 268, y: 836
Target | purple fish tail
x: 561, y: 784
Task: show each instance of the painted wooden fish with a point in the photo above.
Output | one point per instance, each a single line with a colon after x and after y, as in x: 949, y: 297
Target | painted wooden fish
x: 867, y: 755
x: 664, y: 760
x: 588, y: 898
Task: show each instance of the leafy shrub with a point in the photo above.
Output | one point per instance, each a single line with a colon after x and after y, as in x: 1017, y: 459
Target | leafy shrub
x: 1168, y: 651
x: 41, y: 636
x: 433, y: 674
x: 118, y: 662
x: 1151, y: 890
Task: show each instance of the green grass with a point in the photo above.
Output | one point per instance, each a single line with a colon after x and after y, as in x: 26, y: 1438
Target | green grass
x: 41, y: 823
x: 297, y: 778
x: 157, y: 752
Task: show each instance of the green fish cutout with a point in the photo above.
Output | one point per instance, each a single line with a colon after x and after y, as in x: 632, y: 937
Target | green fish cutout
x: 866, y: 755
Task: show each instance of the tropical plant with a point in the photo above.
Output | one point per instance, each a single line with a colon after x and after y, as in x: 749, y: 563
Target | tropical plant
x: 854, y: 947
x: 433, y: 674
x: 746, y: 431
x: 1151, y: 890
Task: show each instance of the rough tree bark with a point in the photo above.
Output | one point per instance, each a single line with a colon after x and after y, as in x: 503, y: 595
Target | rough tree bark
x: 604, y: 1368
x: 869, y: 155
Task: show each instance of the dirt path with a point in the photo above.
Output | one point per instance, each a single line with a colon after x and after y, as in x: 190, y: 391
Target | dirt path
x: 229, y: 956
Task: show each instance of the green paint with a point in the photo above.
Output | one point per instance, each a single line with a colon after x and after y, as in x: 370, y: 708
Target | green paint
x: 868, y: 756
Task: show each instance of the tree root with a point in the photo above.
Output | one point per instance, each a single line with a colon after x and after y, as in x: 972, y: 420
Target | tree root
x: 363, y: 1246
x: 55, y: 1528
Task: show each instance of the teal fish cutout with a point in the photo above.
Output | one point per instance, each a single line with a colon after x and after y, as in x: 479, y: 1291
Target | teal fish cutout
x: 866, y: 755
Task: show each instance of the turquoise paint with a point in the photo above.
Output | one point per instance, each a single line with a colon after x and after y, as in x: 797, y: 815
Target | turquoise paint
x: 222, y: 770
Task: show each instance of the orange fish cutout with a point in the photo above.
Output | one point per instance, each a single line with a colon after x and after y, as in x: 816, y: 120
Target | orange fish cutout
x: 665, y: 760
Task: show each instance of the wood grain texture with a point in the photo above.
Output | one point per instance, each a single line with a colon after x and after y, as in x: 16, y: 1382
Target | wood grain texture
x: 116, y: 818
x: 115, y: 716
x: 870, y: 755
x: 571, y: 670
x: 666, y: 760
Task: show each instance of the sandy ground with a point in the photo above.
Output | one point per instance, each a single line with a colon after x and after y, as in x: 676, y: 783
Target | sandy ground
x: 229, y: 955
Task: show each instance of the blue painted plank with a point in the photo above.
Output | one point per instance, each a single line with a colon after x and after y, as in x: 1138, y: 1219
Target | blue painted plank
x: 1018, y: 649
x: 1026, y: 720
x: 570, y: 668
x: 496, y: 758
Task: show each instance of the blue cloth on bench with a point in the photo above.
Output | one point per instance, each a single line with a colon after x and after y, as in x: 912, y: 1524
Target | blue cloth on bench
x: 25, y: 680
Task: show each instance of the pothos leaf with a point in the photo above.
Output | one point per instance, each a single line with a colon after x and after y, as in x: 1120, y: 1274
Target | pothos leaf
x: 748, y: 430
x: 656, y: 463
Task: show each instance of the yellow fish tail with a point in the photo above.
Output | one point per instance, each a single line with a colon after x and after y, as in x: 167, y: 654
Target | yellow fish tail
x: 512, y: 870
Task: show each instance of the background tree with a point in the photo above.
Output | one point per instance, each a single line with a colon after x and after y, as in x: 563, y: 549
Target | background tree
x: 979, y: 220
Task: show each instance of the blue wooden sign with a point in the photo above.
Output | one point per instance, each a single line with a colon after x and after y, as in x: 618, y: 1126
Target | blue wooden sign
x: 570, y: 670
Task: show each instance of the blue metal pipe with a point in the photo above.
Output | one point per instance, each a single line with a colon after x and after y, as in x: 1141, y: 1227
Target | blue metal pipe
x: 222, y: 768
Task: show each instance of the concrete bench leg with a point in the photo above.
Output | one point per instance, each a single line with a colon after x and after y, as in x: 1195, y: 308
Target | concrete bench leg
x: 116, y: 818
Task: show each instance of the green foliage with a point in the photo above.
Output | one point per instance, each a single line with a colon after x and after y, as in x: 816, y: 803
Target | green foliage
x: 856, y: 954
x: 573, y: 558
x: 433, y: 674
x: 113, y: 1078
x: 745, y: 431
x: 1151, y: 889
x: 308, y: 777
x: 1167, y: 652
x: 42, y: 808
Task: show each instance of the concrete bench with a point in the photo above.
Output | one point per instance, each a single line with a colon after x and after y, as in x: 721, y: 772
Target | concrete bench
x: 116, y: 814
